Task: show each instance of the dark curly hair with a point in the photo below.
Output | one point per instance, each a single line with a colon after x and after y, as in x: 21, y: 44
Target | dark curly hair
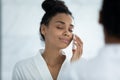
x: 52, y: 8
x: 110, y: 17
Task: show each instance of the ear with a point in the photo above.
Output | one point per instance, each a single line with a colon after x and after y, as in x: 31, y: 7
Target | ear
x: 43, y: 29
x: 100, y: 17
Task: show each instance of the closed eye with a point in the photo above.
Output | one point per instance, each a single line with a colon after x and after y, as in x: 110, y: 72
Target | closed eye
x: 70, y: 30
x: 59, y: 27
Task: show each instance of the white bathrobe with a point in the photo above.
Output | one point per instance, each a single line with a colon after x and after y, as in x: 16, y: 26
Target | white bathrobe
x: 35, y: 68
x: 106, y: 66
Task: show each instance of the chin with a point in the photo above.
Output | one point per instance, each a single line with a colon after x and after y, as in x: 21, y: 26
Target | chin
x: 63, y: 47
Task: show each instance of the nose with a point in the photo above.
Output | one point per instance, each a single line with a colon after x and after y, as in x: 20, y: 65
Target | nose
x: 66, y: 33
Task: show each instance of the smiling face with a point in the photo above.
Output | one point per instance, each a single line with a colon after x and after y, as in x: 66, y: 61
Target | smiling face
x: 58, y: 33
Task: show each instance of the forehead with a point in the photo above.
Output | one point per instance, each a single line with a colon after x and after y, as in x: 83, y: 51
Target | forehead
x: 66, y: 18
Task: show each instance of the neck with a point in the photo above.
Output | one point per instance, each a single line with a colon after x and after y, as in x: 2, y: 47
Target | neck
x: 53, y: 56
x: 109, y: 39
x: 112, y: 40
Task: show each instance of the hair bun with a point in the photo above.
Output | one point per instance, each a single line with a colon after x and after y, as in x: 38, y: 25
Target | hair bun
x: 48, y: 5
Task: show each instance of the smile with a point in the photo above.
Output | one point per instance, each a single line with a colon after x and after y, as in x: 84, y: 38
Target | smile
x: 64, y: 40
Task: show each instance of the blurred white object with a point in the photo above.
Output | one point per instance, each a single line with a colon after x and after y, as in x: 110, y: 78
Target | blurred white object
x: 105, y: 66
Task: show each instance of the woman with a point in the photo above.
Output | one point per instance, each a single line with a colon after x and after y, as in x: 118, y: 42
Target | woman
x: 56, y: 31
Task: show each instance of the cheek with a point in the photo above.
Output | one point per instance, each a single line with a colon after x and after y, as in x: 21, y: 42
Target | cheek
x: 71, y: 37
x: 56, y: 32
x: 51, y: 34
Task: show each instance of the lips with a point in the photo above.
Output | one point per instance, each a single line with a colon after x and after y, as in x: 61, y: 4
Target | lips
x: 64, y: 40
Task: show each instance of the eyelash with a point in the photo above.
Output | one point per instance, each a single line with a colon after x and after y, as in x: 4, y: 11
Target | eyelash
x: 71, y: 30
x: 59, y: 27
x: 63, y: 28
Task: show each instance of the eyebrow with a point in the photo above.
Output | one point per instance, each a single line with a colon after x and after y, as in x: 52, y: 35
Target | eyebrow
x: 64, y: 23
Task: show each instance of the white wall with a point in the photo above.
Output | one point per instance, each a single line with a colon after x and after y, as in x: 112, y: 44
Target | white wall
x: 20, y: 24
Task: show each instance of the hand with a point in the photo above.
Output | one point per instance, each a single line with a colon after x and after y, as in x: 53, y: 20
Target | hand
x: 77, y: 51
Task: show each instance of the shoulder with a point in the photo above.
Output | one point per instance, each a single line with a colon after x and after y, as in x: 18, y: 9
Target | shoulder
x: 28, y: 62
x: 27, y: 69
x: 22, y: 68
x: 24, y: 63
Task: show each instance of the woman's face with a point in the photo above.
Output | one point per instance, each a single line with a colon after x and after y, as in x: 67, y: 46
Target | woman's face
x: 58, y: 34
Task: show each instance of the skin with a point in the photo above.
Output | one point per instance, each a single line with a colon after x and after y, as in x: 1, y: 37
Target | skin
x: 111, y: 39
x: 58, y: 35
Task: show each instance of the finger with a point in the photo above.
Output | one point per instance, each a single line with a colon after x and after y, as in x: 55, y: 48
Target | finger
x: 78, y: 39
x: 78, y: 48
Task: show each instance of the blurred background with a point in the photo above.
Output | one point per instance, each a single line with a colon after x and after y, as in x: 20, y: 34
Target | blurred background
x: 20, y: 30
